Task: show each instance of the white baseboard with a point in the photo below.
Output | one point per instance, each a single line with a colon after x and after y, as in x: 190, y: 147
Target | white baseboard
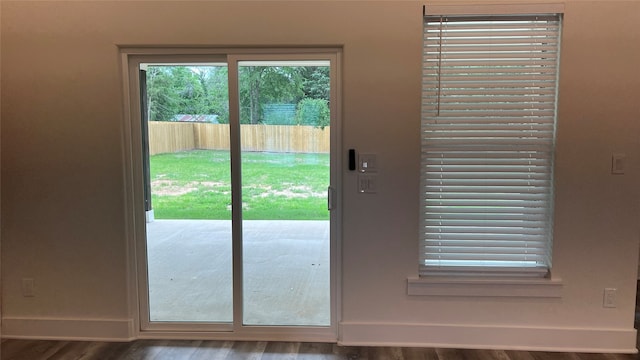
x: 365, y: 334
x: 265, y: 335
x: 489, y: 337
x: 68, y: 329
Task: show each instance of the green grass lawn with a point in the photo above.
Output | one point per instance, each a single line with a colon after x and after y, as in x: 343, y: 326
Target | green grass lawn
x: 197, y: 185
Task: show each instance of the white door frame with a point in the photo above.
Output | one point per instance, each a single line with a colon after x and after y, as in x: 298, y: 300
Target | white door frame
x: 131, y: 58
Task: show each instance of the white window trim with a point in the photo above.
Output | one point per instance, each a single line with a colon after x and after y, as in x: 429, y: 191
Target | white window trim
x: 460, y: 287
x: 474, y: 8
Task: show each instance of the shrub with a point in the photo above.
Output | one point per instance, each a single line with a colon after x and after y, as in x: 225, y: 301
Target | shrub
x: 313, y: 112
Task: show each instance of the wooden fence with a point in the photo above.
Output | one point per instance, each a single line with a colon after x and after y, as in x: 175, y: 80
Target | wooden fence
x: 168, y: 137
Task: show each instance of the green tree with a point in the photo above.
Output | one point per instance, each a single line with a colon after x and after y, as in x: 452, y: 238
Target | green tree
x: 316, y: 83
x: 203, y: 90
x: 194, y: 90
x: 267, y: 84
x: 219, y: 90
x: 313, y: 112
x: 214, y: 82
x: 162, y: 101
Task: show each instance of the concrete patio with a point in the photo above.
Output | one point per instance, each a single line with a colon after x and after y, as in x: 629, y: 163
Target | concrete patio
x: 286, y: 271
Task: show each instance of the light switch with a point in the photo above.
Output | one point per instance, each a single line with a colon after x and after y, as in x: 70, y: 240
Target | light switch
x: 28, y: 288
x: 617, y: 163
x: 367, y: 163
x: 367, y: 184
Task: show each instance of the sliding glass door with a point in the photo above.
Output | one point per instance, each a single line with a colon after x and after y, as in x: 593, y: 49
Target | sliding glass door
x: 238, y: 171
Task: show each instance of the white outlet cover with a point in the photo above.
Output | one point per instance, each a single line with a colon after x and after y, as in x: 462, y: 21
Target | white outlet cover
x: 610, y: 298
x: 617, y: 163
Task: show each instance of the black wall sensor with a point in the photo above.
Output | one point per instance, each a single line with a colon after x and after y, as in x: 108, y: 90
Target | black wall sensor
x: 352, y: 159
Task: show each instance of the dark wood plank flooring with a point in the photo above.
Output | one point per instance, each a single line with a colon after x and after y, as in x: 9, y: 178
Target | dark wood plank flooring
x: 260, y: 350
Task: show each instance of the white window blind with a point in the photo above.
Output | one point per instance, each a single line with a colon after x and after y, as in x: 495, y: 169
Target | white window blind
x: 488, y: 136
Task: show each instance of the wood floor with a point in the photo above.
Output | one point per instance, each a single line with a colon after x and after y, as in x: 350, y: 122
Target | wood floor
x: 243, y: 350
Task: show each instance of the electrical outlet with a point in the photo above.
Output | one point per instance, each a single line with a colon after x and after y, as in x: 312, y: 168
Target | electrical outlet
x: 610, y: 298
x: 617, y: 163
x: 28, y: 287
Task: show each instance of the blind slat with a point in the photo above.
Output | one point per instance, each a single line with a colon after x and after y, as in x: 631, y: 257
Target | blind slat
x: 495, y: 92
x: 496, y: 160
x: 506, y: 210
x: 484, y: 217
x: 496, y: 77
x: 490, y: 69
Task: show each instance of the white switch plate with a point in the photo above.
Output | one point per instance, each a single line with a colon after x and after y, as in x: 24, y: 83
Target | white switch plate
x: 617, y: 163
x: 28, y: 287
x: 367, y: 163
x: 367, y: 184
x: 610, y: 299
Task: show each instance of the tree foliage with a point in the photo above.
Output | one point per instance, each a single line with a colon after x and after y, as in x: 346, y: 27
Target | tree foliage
x: 314, y: 112
x: 162, y: 99
x: 261, y: 85
x: 203, y: 90
x: 316, y: 82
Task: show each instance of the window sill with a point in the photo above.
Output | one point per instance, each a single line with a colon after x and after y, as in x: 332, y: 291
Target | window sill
x: 485, y: 287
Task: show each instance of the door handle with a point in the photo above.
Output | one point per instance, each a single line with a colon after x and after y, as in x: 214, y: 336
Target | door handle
x: 329, y: 198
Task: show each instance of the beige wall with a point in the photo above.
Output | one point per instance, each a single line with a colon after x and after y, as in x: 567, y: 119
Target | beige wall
x: 62, y: 161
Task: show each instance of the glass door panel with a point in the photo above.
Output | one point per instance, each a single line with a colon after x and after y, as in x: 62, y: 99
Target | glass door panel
x: 185, y: 110
x: 285, y: 152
